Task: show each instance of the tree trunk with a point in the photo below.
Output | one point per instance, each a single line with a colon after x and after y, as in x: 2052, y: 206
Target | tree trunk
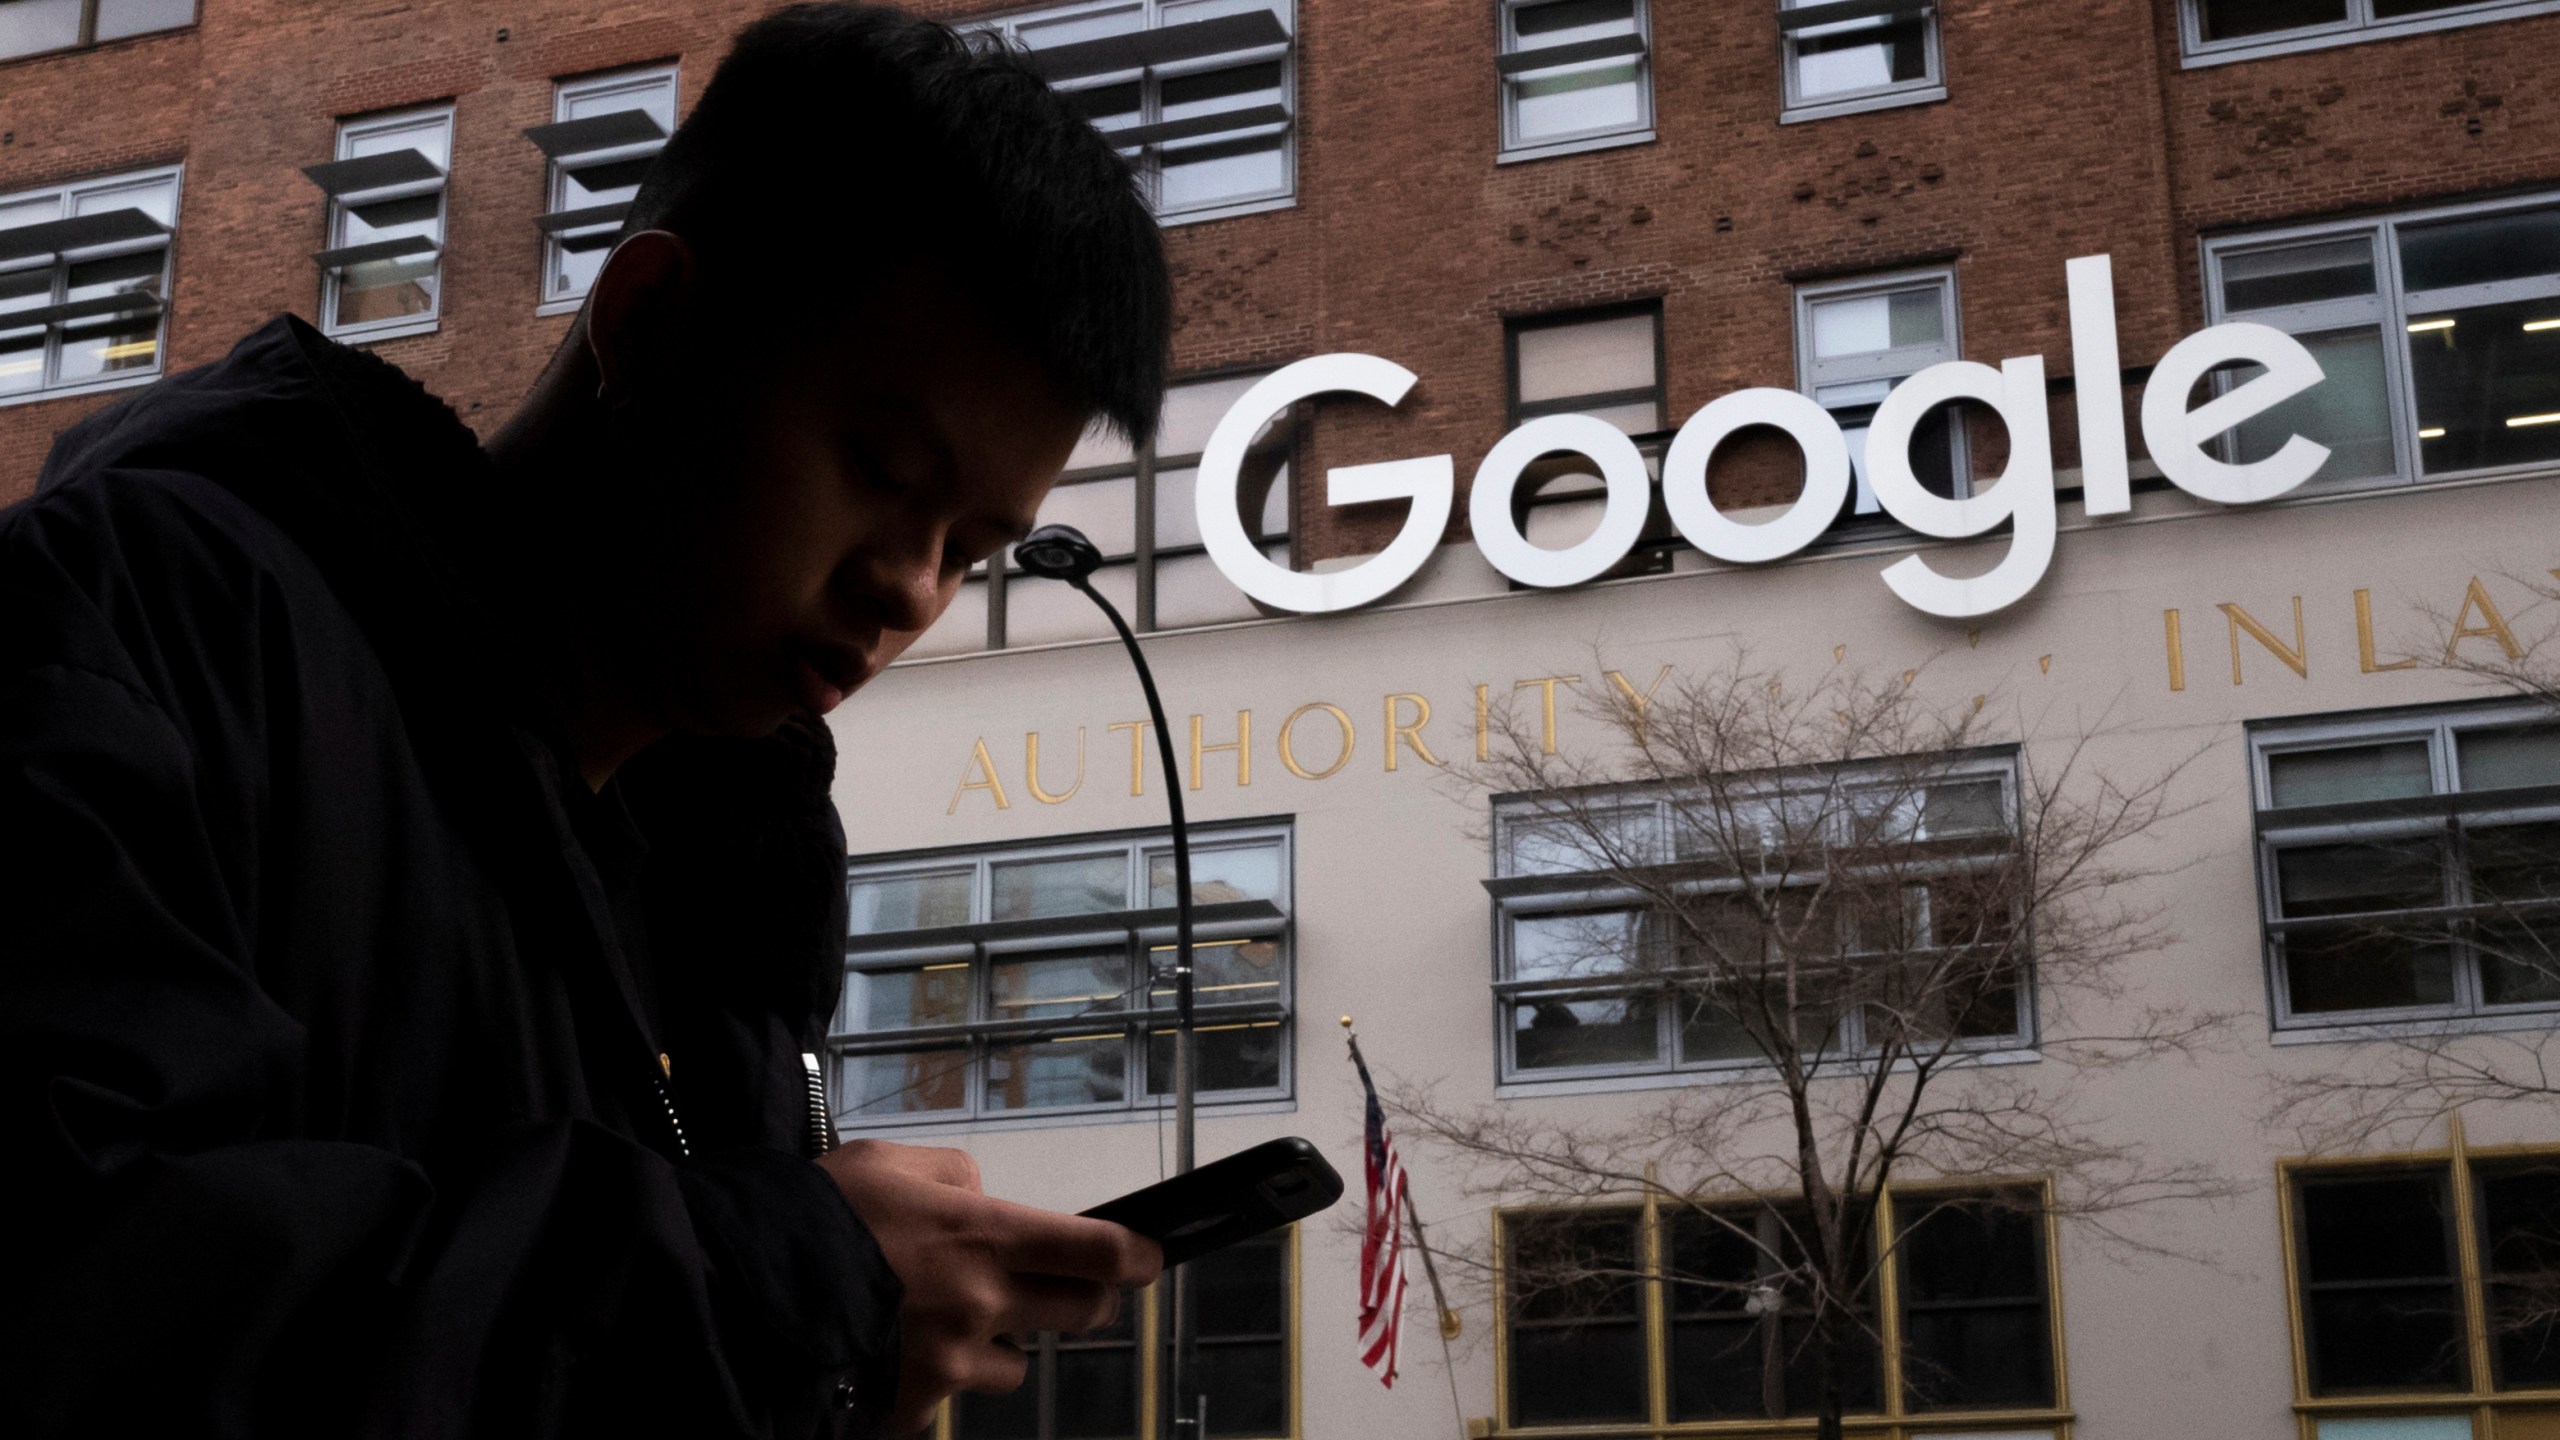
x: 1826, y: 1368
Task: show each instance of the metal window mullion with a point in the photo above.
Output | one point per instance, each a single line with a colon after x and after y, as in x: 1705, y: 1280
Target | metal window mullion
x: 2396, y: 370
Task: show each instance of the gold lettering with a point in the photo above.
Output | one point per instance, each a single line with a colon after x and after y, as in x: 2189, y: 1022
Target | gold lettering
x: 1031, y: 768
x: 980, y: 763
x: 1402, y: 734
x: 1289, y: 755
x: 1484, y: 722
x: 1644, y: 701
x: 2294, y: 657
x: 1242, y: 746
x: 1137, y: 752
x: 2492, y: 624
x: 2177, y: 653
x: 2365, y: 661
x: 1547, y: 704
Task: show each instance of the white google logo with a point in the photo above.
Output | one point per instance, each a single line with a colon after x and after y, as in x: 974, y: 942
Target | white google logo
x: 2023, y: 493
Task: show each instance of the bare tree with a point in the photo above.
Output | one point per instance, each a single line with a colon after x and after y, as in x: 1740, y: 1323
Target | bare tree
x: 1864, y: 906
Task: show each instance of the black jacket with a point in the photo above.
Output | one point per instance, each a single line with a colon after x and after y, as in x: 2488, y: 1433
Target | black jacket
x: 360, y: 1072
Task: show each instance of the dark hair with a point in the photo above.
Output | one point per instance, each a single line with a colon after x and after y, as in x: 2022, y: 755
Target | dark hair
x: 856, y: 137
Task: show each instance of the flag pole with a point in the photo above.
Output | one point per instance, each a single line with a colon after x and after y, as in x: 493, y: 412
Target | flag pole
x: 1449, y: 1323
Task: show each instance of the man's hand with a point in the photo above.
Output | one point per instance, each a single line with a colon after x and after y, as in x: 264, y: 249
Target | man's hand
x: 977, y: 1269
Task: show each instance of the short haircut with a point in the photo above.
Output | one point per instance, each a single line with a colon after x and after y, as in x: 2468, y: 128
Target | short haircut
x: 837, y: 141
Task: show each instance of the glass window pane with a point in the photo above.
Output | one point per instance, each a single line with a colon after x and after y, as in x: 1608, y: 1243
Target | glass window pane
x: 1057, y: 987
x: 1577, y: 1330
x: 1105, y: 510
x: 1963, y: 807
x: 1597, y: 944
x: 1192, y: 590
x: 1230, y: 1057
x: 1877, y: 324
x: 1040, y: 612
x: 2349, y: 410
x: 2396, y: 1427
x: 1218, y: 873
x: 2488, y: 387
x: 2516, y: 245
x: 910, y: 902
x: 2298, y: 274
x: 1011, y: 1416
x: 1056, y: 1071
x: 21, y: 362
x: 2520, y: 1258
x: 117, y: 18
x: 905, y: 1084
x: 2498, y: 759
x: 2515, y: 882
x: 1549, y: 1033
x: 100, y: 348
x: 1178, y: 508
x: 1097, y: 1392
x: 27, y: 26
x: 1222, y: 971
x: 1075, y: 885
x: 1564, y: 22
x: 382, y: 290
x: 1192, y: 411
x: 2353, y: 877
x: 2394, y: 771
x: 1579, y: 100
x: 1854, y: 56
x: 1975, y: 1334
x: 1100, y: 445
x: 1217, y: 172
x: 1211, y: 92
x: 2381, y: 1310
x: 1592, y: 357
x: 903, y: 999
x: 2237, y: 19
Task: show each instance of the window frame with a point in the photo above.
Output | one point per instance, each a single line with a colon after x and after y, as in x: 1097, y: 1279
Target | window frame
x: 2461, y: 1163
x: 1510, y: 147
x: 2388, y: 310
x: 58, y: 265
x: 2360, y: 26
x: 1652, y: 1217
x: 89, y: 33
x: 2447, y: 811
x: 1866, y: 515
x: 1153, y: 1337
x: 1654, y: 546
x: 565, y: 91
x: 332, y: 278
x: 1795, y: 108
x: 1517, y: 896
x: 1136, y: 932
x: 1147, y: 161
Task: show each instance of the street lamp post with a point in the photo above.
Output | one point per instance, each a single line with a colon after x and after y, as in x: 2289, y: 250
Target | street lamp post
x: 1061, y: 552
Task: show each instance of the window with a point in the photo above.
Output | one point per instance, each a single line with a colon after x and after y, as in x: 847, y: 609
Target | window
x: 2409, y: 865
x: 604, y: 131
x: 1089, y: 1387
x: 1857, y: 339
x: 1198, y: 93
x: 382, y: 274
x: 1037, y: 980
x: 2392, y: 1297
x: 1844, y: 56
x: 31, y: 27
x: 1966, y: 1303
x: 2438, y: 333
x: 1915, y: 946
x: 1575, y: 75
x: 2216, y: 31
x: 1608, y: 364
x: 1140, y: 508
x: 84, y: 282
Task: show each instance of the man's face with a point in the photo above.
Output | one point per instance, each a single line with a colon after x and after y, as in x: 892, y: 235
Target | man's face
x: 828, y: 505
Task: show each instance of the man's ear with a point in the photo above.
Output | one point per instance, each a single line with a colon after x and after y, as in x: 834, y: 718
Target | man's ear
x: 641, y: 314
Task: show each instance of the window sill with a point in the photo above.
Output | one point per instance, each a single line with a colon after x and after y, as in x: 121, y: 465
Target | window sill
x: 85, y: 387
x: 989, y: 1125
x: 1517, y: 1088
x: 569, y: 306
x: 1862, y: 104
x: 1583, y: 146
x: 2298, y: 1032
x: 401, y: 331
x: 2234, y: 52
x: 1227, y: 212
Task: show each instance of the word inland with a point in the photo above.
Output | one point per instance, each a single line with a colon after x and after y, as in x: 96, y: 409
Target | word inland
x: 2178, y: 439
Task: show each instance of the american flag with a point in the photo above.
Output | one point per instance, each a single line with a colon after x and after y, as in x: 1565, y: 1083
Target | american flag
x: 1381, y: 1244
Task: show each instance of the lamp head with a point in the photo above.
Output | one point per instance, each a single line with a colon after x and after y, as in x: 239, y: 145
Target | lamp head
x: 1059, y: 552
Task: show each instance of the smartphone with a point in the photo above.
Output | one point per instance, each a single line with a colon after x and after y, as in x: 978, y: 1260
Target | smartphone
x: 1227, y: 1200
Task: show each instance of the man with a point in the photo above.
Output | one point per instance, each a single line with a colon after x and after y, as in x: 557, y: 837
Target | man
x: 422, y: 903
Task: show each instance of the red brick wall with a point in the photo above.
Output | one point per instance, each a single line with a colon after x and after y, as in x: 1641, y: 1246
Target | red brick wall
x: 2069, y: 129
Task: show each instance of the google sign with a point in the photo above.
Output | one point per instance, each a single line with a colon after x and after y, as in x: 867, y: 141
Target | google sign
x: 2023, y: 494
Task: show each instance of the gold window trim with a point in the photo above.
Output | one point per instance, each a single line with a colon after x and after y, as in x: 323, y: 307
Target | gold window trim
x: 2485, y: 1405
x: 1894, y: 1423
x: 1151, y: 1349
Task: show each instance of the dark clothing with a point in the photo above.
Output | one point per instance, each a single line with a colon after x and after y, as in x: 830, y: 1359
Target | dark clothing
x: 333, y: 1006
